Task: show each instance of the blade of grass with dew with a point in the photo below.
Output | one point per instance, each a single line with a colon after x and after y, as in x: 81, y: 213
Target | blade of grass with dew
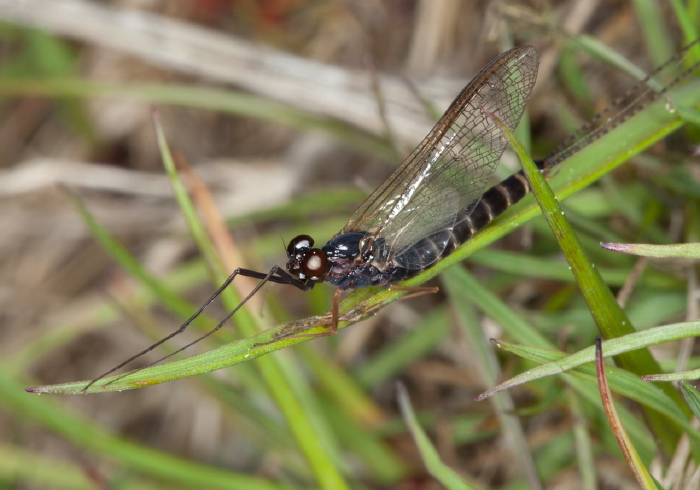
x: 431, y: 458
x: 225, y: 356
x: 628, y: 450
x: 610, y: 318
x: 276, y: 373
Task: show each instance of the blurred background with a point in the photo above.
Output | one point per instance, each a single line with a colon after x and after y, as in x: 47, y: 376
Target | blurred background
x: 290, y: 111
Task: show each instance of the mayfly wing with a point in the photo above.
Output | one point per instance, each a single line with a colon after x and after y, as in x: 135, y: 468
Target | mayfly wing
x: 444, y: 176
x: 643, y: 93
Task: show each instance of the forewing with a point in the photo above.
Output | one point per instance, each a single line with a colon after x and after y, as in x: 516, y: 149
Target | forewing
x: 442, y: 179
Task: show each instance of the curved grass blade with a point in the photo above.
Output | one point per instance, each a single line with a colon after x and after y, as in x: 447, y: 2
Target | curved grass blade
x: 622, y: 382
x: 631, y: 455
x: 93, y: 437
x: 431, y: 458
x: 676, y: 250
x: 613, y: 347
x: 275, y: 372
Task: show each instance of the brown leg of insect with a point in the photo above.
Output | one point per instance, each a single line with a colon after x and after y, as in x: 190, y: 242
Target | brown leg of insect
x: 333, y: 328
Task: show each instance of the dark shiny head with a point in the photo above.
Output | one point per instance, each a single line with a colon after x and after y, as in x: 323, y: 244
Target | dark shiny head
x: 304, y: 262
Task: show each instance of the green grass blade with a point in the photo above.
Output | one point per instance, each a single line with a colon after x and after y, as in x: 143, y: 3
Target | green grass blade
x: 584, y: 446
x: 690, y: 393
x: 430, y: 456
x: 685, y: 20
x: 677, y: 376
x: 613, y: 347
x: 679, y: 250
x: 127, y: 261
x: 609, y: 317
x: 512, y: 322
x: 689, y: 115
x: 485, y: 357
x: 621, y: 381
x: 44, y: 472
x: 429, y: 333
x: 599, y: 50
x: 658, y: 42
x: 278, y: 375
x: 89, y: 435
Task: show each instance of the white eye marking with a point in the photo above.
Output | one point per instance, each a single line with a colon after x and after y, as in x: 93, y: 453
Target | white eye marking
x: 303, y: 244
x: 314, y: 263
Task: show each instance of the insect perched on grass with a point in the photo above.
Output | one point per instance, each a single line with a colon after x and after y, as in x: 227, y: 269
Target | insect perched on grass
x: 435, y: 200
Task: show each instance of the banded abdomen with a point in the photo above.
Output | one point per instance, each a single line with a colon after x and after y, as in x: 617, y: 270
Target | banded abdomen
x: 434, y: 248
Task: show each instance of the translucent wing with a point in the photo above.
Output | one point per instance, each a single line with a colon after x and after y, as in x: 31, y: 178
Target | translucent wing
x: 443, y: 178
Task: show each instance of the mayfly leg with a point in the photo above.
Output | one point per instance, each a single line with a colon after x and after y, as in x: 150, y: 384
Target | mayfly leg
x: 276, y: 275
x: 332, y: 329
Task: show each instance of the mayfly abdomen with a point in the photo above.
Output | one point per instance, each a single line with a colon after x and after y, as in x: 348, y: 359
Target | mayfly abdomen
x: 493, y: 203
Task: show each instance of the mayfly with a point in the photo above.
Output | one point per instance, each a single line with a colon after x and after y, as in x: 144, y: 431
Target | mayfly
x: 435, y: 200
